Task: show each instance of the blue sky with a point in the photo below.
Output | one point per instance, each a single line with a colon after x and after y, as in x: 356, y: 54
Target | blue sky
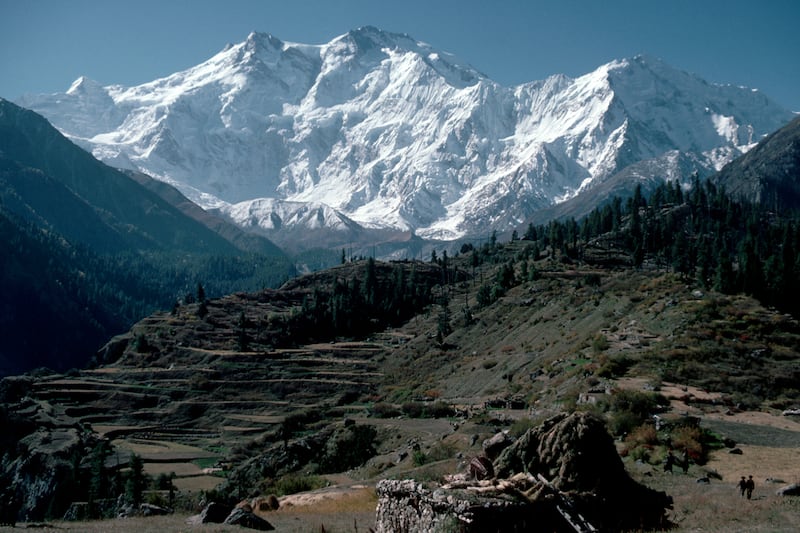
x: 47, y: 44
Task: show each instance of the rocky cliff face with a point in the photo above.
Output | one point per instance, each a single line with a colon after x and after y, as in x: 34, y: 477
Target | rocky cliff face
x: 36, y: 473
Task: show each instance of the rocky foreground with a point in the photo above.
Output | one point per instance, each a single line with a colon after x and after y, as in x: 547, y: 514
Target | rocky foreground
x: 563, y: 475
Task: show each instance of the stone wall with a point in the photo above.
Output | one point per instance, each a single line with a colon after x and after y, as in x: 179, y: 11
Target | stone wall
x: 406, y: 506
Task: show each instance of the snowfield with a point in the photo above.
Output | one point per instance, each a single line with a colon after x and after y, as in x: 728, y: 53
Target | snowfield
x: 381, y: 130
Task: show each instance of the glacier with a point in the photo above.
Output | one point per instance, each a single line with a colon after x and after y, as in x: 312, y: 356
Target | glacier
x: 381, y: 131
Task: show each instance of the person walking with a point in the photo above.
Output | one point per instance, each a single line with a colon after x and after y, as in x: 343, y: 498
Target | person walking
x: 742, y: 486
x: 750, y: 485
x: 668, y: 462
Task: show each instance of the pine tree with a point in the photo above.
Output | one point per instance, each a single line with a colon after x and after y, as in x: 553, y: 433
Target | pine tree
x: 370, y: 289
x: 98, y: 483
x: 443, y: 323
x: 134, y: 486
x: 530, y: 233
x: 723, y: 275
x: 201, y: 293
x: 704, y: 263
x: 751, y: 279
x: 243, y: 341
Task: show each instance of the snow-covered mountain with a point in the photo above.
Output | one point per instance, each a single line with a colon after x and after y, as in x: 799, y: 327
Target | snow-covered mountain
x: 381, y: 130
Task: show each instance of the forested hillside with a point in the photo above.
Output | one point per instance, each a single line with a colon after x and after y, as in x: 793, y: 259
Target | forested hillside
x: 88, y: 251
x: 719, y: 242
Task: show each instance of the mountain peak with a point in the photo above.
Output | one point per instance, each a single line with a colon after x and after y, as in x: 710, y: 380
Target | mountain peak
x: 367, y: 37
x: 84, y: 85
x: 395, y: 134
x: 256, y: 40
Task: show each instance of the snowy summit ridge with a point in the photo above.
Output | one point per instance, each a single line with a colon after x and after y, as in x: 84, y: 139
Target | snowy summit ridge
x: 382, y: 130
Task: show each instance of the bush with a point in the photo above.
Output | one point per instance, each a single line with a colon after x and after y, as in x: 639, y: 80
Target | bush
x: 642, y: 435
x: 690, y: 439
x: 427, y: 410
x: 629, y: 409
x: 438, y: 452
x: 612, y: 366
x: 348, y: 448
x: 640, y: 453
x: 520, y: 427
x: 295, y: 483
x: 697, y: 442
x: 600, y: 343
x: 642, y: 404
x: 640, y: 442
x: 439, y: 410
x: 385, y: 410
x: 623, y: 422
x: 412, y: 409
x: 419, y: 458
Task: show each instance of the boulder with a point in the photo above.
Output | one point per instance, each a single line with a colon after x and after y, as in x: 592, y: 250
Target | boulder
x: 575, y: 455
x: 244, y: 518
x: 77, y: 511
x: 564, y: 475
x: 789, y: 490
x: 493, y: 446
x: 481, y: 468
x: 268, y: 503
x: 213, y: 513
x: 148, y: 509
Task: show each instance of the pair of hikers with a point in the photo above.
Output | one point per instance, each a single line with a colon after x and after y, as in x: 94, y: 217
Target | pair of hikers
x: 672, y: 460
x: 746, y: 487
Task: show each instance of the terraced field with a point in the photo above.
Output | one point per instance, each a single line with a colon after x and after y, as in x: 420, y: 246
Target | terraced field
x: 182, y: 419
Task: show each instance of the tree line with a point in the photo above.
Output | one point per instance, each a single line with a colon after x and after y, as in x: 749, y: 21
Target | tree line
x: 359, y: 305
x: 723, y: 243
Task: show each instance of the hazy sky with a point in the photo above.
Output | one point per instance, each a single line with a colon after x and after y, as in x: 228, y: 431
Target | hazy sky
x: 47, y: 44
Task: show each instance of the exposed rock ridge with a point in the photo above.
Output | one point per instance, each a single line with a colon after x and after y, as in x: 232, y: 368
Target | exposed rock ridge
x: 563, y: 475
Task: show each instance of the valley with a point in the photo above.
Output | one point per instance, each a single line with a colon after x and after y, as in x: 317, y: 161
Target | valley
x: 179, y: 391
x: 360, y: 286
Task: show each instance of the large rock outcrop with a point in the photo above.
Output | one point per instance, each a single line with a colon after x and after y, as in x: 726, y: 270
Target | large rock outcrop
x: 406, y: 506
x: 38, y: 471
x: 575, y: 455
x: 564, y: 475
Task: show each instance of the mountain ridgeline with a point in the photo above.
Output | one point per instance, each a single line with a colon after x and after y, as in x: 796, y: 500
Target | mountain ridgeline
x: 376, y: 134
x: 735, y: 232
x: 88, y: 250
x: 768, y: 174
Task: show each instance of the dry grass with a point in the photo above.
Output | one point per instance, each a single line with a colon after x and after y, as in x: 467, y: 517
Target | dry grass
x: 718, y: 505
x: 181, y: 469
x: 350, y: 511
x: 156, y: 524
x: 761, y: 462
x: 197, y: 483
x: 160, y: 450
